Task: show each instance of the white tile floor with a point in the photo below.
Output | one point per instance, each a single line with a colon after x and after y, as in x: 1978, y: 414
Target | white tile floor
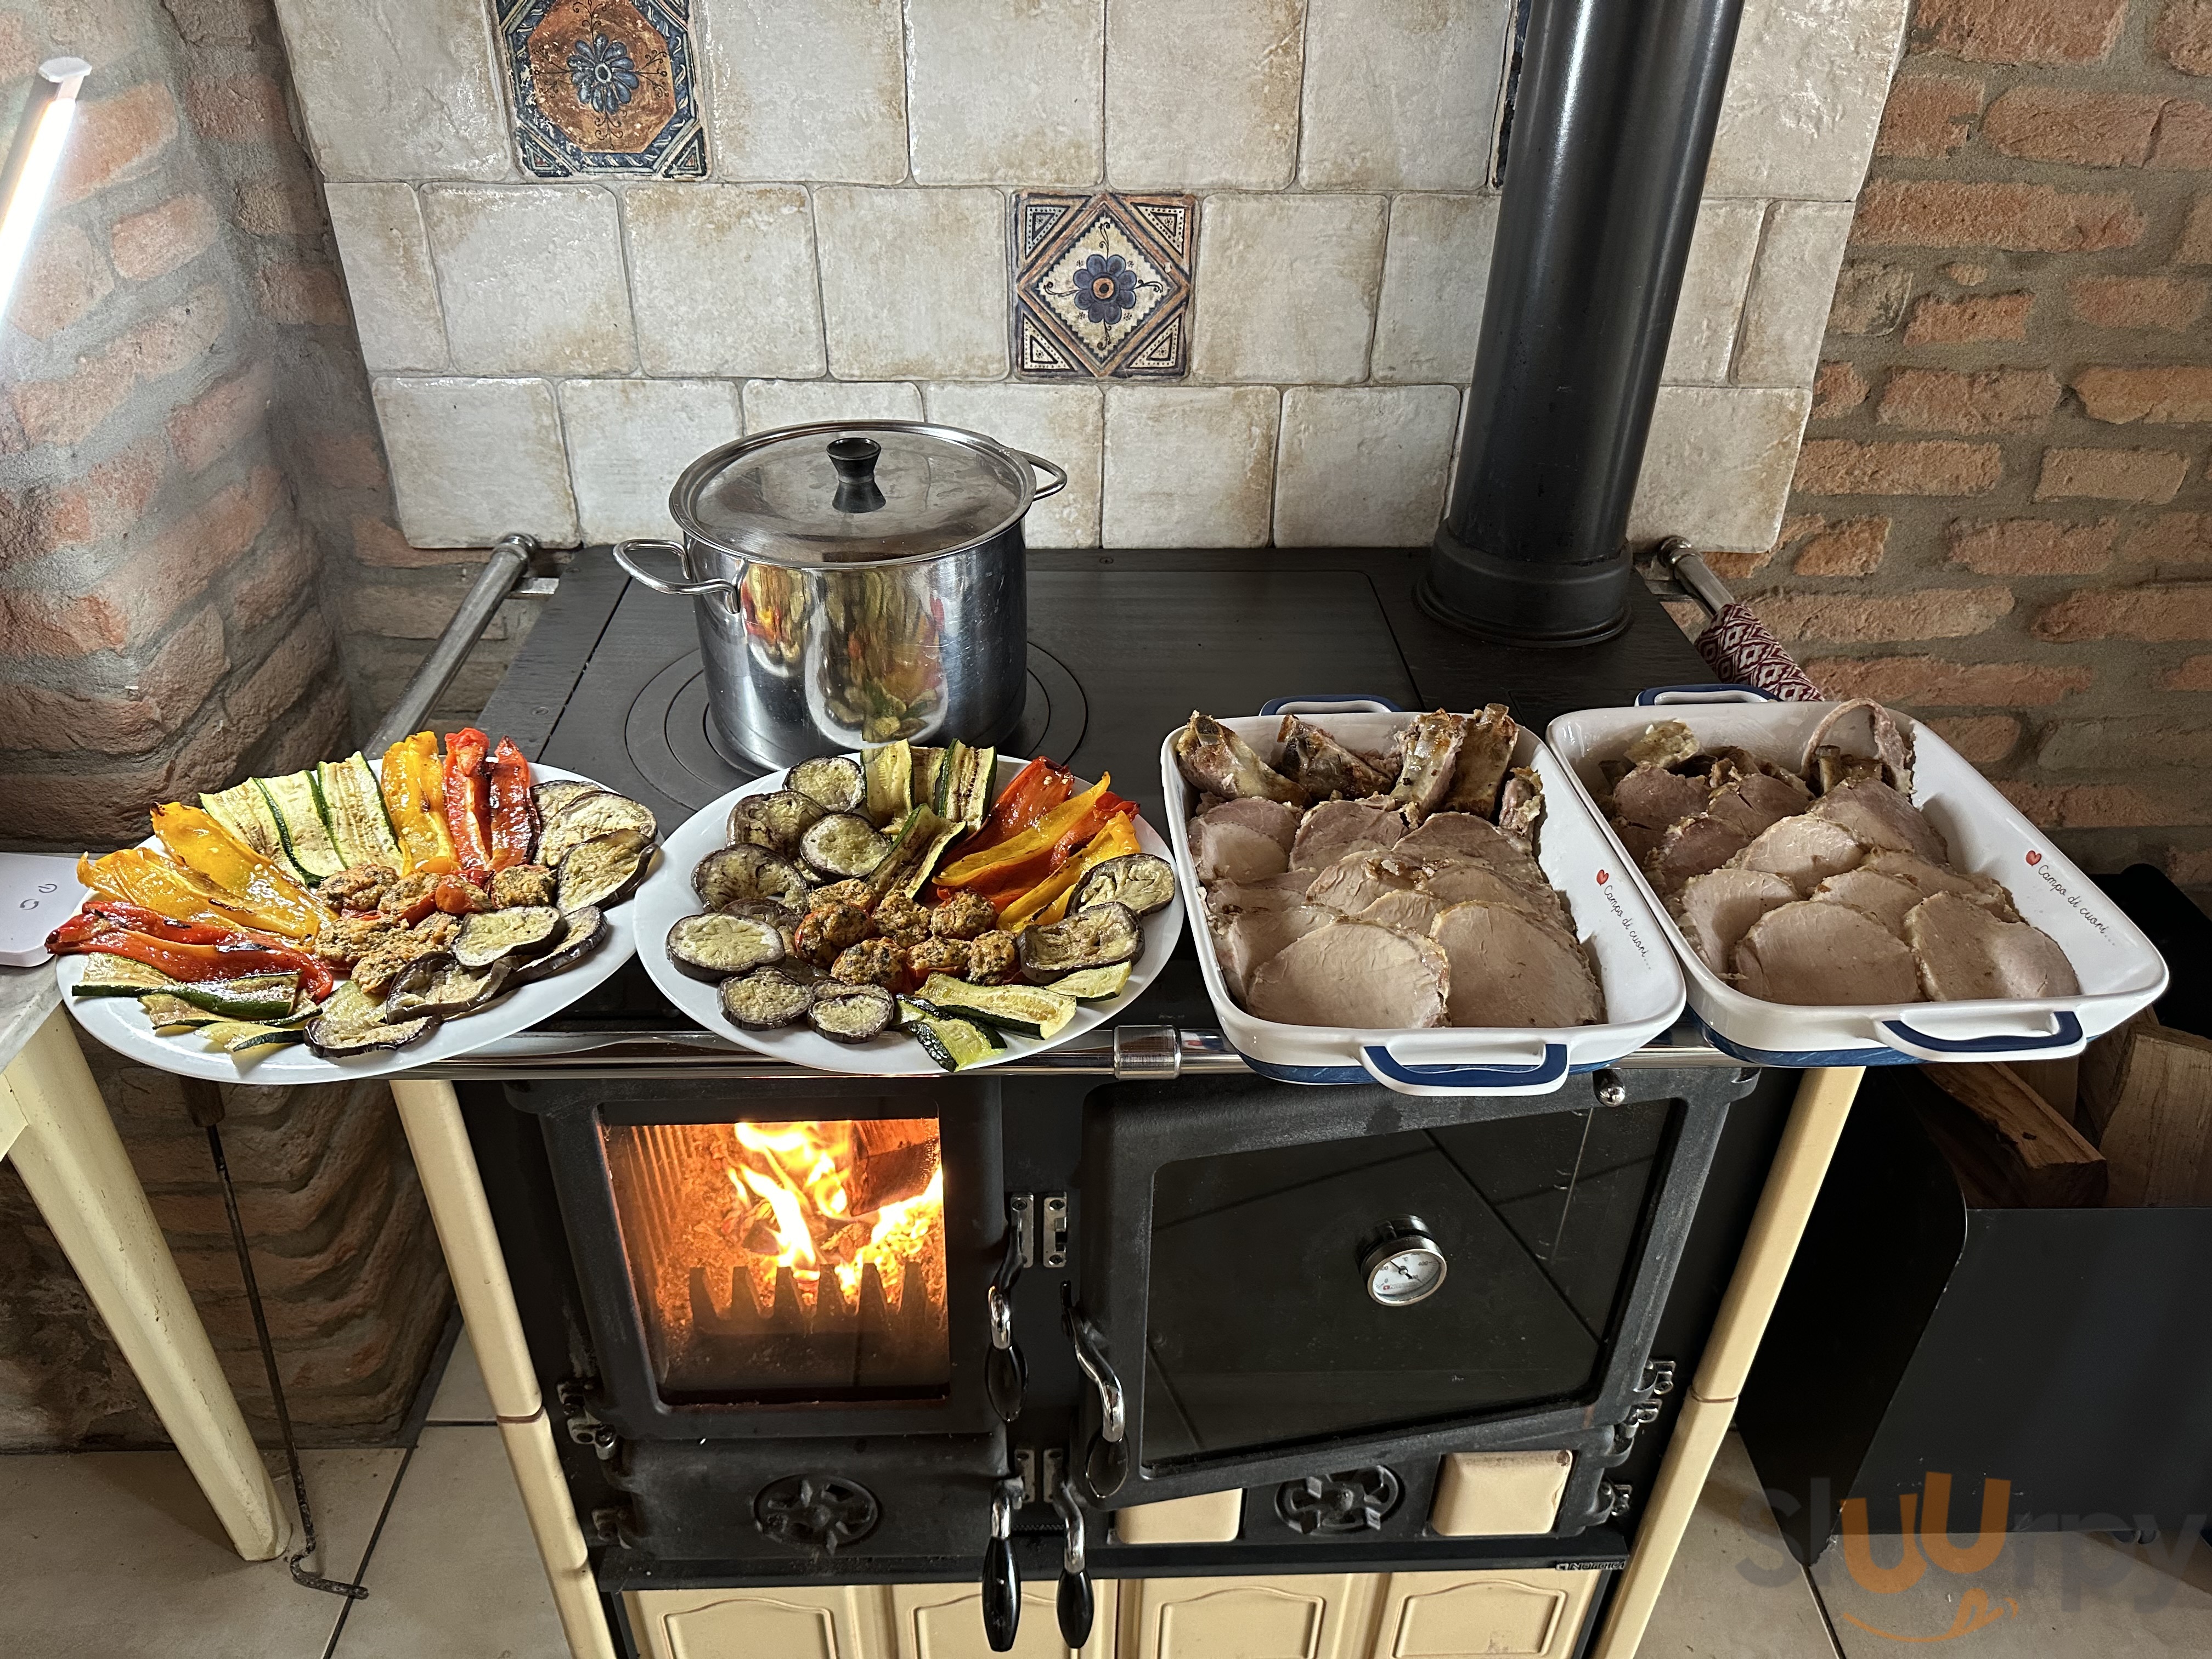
x: 115, y: 1556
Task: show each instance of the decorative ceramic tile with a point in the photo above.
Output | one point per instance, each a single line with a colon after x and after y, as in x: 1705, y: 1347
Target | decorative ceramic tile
x: 604, y: 86
x: 1102, y: 285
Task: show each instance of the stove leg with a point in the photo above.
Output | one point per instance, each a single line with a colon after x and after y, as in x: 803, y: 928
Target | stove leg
x: 55, y: 1126
x: 1816, y: 1122
x: 431, y: 1114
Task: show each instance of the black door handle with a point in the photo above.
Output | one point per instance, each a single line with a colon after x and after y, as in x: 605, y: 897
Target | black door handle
x: 1002, y: 1582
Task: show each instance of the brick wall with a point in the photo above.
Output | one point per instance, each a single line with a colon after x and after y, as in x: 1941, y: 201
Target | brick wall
x: 2001, y: 517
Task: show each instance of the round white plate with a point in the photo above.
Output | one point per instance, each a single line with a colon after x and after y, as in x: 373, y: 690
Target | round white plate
x: 121, y: 1023
x: 667, y: 898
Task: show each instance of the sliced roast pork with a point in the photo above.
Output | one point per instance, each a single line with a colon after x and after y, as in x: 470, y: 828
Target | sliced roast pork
x: 1930, y: 879
x: 1885, y: 898
x: 1354, y: 973
x: 1214, y: 760
x: 1814, y: 952
x: 1224, y: 897
x: 1881, y: 818
x: 1313, y: 759
x: 1715, y: 910
x: 1510, y: 970
x: 1521, y: 806
x: 1408, y: 912
x: 1803, y: 851
x: 1482, y: 763
x: 1222, y: 849
x: 1751, y: 802
x: 1432, y: 745
x: 1357, y: 879
x: 1446, y: 835
x: 1463, y: 881
x: 1244, y: 939
x: 1965, y: 950
x: 1655, y: 798
x: 1337, y: 827
x: 1690, y: 849
x: 1277, y: 820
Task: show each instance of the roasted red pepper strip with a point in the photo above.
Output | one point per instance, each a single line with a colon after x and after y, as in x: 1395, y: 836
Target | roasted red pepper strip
x: 467, y: 799
x: 198, y: 963
x: 514, y: 814
x: 1037, y: 789
x: 108, y: 918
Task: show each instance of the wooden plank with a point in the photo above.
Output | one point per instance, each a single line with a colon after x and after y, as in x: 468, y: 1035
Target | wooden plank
x: 2009, y: 1150
x: 2158, y: 1135
x: 2059, y: 1083
x: 2104, y: 1072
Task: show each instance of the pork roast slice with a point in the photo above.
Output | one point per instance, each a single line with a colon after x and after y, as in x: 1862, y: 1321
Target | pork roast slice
x: 1462, y: 836
x: 1429, y: 760
x: 1803, y: 851
x: 1715, y: 909
x: 1409, y: 912
x: 1690, y: 849
x: 1337, y: 827
x: 1226, y: 897
x: 1482, y: 762
x: 1885, y: 898
x: 1275, y: 819
x: 1357, y: 879
x: 1655, y: 798
x: 1817, y: 952
x: 1466, y: 881
x: 1753, y: 803
x: 1508, y: 968
x: 1930, y: 879
x: 1881, y: 818
x: 1222, y: 850
x: 1966, y: 949
x: 1353, y: 974
x: 1243, y: 939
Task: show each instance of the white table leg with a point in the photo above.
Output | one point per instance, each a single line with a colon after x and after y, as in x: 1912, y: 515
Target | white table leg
x: 73, y: 1161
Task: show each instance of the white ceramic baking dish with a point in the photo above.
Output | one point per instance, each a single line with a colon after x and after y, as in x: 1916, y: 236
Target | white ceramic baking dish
x: 1636, y: 970
x: 2119, y: 970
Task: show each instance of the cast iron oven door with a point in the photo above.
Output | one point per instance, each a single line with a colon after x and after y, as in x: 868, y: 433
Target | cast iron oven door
x: 1345, y: 1275
x: 804, y: 1259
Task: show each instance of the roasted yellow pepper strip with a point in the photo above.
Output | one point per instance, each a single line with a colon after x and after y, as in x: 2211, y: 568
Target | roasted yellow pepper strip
x: 1047, y: 899
x: 977, y: 868
x: 251, y: 885
x: 414, y: 800
x: 139, y: 875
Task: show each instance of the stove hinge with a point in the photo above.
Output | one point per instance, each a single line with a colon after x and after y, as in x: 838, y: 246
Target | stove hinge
x: 1041, y: 1221
x: 585, y: 1429
x: 1612, y: 1498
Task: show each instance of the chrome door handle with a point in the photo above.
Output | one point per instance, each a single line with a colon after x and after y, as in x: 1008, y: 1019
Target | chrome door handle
x: 1084, y: 1336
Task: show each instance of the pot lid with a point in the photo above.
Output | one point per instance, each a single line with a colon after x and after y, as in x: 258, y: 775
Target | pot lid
x: 851, y: 492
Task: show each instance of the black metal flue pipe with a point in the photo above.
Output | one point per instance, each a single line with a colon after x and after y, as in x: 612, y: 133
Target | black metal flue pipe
x: 1615, y: 122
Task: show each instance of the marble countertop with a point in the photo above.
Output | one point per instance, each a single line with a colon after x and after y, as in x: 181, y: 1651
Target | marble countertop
x: 27, y: 995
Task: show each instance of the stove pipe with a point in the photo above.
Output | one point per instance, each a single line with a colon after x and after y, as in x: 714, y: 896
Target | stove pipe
x: 1618, y: 103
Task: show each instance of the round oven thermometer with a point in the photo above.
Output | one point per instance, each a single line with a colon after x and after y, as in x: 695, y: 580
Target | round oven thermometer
x: 1401, y: 1264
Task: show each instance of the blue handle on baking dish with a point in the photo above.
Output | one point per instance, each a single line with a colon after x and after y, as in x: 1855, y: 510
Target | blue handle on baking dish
x: 1545, y: 1075
x: 1341, y: 703
x: 1714, y: 691
x: 1923, y: 1045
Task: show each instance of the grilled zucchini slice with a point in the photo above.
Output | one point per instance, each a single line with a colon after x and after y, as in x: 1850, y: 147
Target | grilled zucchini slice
x: 244, y: 811
x: 890, y: 773
x: 353, y: 807
x: 249, y: 996
x: 765, y: 999
x: 1026, y: 1009
x: 1094, y: 984
x: 965, y: 783
x: 237, y: 1036
x: 921, y: 841
x: 951, y: 1043
x: 297, y: 807
x: 844, y: 845
x: 718, y: 945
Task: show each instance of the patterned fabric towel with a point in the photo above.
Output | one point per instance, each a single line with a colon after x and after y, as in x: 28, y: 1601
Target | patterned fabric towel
x: 1741, y: 650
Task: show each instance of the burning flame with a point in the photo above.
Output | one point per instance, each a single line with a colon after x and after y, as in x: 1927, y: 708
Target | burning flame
x: 801, y: 1171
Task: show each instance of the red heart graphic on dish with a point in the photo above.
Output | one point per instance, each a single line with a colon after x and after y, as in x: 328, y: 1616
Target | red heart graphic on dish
x: 2035, y: 857
x: 1603, y: 876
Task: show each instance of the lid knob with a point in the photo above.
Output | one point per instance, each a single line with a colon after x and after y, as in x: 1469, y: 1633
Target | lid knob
x: 855, y: 461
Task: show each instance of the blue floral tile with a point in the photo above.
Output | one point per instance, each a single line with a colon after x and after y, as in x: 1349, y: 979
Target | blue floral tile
x: 604, y: 87
x: 1102, y: 285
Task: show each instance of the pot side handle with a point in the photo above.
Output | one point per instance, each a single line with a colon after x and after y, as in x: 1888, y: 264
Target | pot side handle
x: 623, y: 551
x: 1058, y: 474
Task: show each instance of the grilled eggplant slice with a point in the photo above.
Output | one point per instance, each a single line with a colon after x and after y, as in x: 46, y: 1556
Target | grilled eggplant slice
x: 765, y: 999
x: 835, y: 780
x: 550, y: 797
x: 1139, y: 880
x: 774, y: 820
x: 738, y: 875
x: 352, y: 1023
x: 852, y: 1013
x: 440, y: 984
x: 844, y: 845
x: 587, y: 928
x: 588, y: 818
x: 1096, y: 937
x: 601, y: 872
x: 718, y: 945
x: 526, y: 930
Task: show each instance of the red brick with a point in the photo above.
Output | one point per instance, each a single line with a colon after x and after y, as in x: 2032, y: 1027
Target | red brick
x: 1991, y: 400
x: 1935, y: 682
x: 2112, y: 475
x: 1931, y: 614
x: 18, y: 56
x: 2086, y: 129
x: 2112, y: 746
x: 1838, y: 389
x: 1843, y: 547
x: 2184, y: 136
x: 2030, y: 547
x: 415, y: 612
x: 1971, y: 318
x: 2195, y: 247
x: 347, y: 460
x: 265, y: 586
x: 63, y: 626
x: 1928, y: 116
x: 71, y: 409
x: 205, y: 429
x: 170, y: 690
x: 2193, y: 674
x: 2176, y: 394
x: 377, y: 541
x: 2019, y: 31
x: 64, y: 278
x: 1843, y: 466
x: 112, y: 138
x: 2098, y: 805
x: 177, y: 337
x: 177, y: 564
x: 2182, y: 35
x: 1984, y: 740
x: 2169, y: 302
x: 2189, y: 866
x: 237, y: 108
x: 2158, y: 612
x: 157, y: 242
x: 300, y: 293
x: 2029, y: 218
x: 290, y: 671
x: 76, y: 513
x: 1869, y: 298
x: 2173, y: 538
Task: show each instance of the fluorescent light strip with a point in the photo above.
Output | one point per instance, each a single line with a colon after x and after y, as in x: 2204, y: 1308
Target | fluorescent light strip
x: 37, y: 157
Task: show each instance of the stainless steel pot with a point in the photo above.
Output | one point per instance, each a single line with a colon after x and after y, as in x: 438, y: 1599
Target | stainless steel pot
x: 856, y: 582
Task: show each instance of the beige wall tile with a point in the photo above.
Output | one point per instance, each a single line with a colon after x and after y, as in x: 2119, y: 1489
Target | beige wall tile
x: 1717, y: 467
x: 1286, y: 286
x: 1786, y: 314
x: 1006, y: 91
x: 806, y: 89
x: 1435, y: 271
x: 1065, y: 424
x: 1400, y: 95
x: 1189, y: 466
x: 399, y: 90
x: 799, y: 403
x: 1202, y: 92
x: 628, y: 440
x: 722, y: 277
x: 386, y: 255
x: 473, y: 460
x: 1805, y: 93
x: 914, y: 282
x: 532, y: 278
x: 1363, y: 466
x: 1713, y: 283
